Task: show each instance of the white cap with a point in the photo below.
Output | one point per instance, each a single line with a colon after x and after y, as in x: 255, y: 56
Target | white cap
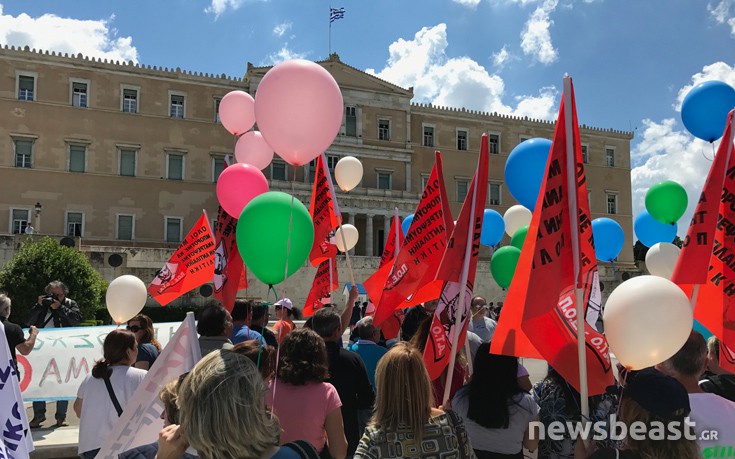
x: 284, y: 303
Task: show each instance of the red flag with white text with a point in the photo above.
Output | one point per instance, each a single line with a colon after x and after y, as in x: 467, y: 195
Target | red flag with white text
x: 394, y: 241
x: 322, y: 210
x: 229, y: 269
x: 324, y: 284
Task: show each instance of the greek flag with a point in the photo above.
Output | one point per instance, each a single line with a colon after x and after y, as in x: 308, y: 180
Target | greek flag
x: 336, y: 13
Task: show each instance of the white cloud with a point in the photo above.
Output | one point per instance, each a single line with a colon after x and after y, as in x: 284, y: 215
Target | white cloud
x: 501, y: 57
x: 536, y: 38
x: 717, y: 71
x: 468, y: 3
x: 283, y: 54
x: 721, y: 13
x: 280, y: 29
x: 458, y: 82
x: 93, y: 38
x: 218, y: 7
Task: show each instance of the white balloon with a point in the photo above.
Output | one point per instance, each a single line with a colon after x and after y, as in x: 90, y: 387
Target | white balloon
x: 348, y: 173
x: 125, y: 298
x: 647, y: 320
x: 661, y: 259
x: 515, y: 217
x: 351, y: 237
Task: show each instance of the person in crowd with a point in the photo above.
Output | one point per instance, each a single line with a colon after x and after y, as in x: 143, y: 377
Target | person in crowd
x: 220, y: 395
x: 214, y: 327
x: 259, y: 323
x: 367, y: 346
x: 709, y: 411
x: 496, y: 410
x: 262, y: 355
x: 29, y: 229
x: 104, y: 393
x: 148, y: 346
x: 481, y: 324
x: 415, y: 316
x: 53, y: 310
x: 242, y: 313
x: 717, y: 380
x: 404, y: 423
x: 560, y: 402
x: 347, y: 374
x: 651, y: 399
x: 307, y: 406
x: 285, y: 312
x: 14, y: 334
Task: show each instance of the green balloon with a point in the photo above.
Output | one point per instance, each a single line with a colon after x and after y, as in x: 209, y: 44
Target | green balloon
x: 519, y: 237
x: 263, y: 236
x: 503, y: 264
x: 666, y: 201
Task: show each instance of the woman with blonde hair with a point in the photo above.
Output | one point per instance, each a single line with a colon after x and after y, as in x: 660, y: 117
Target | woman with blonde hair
x: 404, y: 424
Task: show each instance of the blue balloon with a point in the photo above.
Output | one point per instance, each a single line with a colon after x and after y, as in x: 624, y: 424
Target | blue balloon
x: 651, y: 231
x: 406, y: 223
x: 493, y: 227
x: 702, y: 329
x: 609, y: 238
x: 525, y: 169
x: 705, y: 108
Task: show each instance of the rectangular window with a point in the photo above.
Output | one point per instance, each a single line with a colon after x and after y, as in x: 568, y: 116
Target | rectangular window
x: 23, y: 153
x: 424, y: 181
x: 351, y: 121
x: 20, y: 218
x: 278, y: 171
x: 383, y: 129
x: 332, y: 161
x: 523, y: 138
x: 26, y: 87
x: 127, y: 163
x: 173, y: 229
x: 612, y: 203
x: 177, y: 106
x: 462, y: 186
x: 610, y: 157
x: 461, y: 139
x: 175, y: 167
x: 383, y: 180
x: 494, y: 196
x: 216, y: 109
x: 218, y: 165
x: 494, y: 144
x: 74, y: 224
x: 585, y: 154
x: 130, y: 101
x: 428, y: 136
x: 79, y: 94
x: 125, y: 228
x: 77, y: 158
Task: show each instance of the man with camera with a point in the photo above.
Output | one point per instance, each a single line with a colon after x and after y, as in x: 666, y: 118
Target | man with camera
x: 53, y: 310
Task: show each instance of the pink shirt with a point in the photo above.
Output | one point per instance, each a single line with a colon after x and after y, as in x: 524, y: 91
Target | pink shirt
x: 302, y: 410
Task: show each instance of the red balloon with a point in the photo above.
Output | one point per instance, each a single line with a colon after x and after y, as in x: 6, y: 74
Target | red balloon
x: 237, y: 185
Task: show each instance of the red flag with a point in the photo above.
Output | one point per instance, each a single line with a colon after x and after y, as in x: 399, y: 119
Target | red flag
x: 229, y: 269
x: 543, y: 288
x: 410, y: 279
x: 457, y: 270
x: 394, y: 241
x: 323, y: 214
x: 324, y: 283
x: 189, y: 267
x: 707, y: 258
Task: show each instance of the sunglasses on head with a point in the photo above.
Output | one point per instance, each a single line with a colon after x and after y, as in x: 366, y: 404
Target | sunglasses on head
x: 134, y: 328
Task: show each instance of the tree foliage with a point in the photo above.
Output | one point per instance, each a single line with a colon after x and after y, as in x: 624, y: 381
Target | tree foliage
x: 39, y: 262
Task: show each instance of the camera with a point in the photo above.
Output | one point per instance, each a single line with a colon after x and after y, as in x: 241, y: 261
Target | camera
x: 49, y: 299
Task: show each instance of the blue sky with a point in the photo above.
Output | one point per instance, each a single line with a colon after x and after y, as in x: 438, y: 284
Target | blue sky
x: 632, y: 60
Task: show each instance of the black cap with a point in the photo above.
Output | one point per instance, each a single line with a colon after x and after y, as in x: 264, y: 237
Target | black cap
x: 657, y: 393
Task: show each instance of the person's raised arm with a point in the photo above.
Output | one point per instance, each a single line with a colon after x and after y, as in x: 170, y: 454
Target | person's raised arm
x: 26, y: 347
x: 347, y: 313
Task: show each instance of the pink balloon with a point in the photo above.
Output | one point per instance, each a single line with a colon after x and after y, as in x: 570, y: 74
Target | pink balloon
x: 298, y: 106
x: 237, y: 112
x: 237, y: 185
x: 251, y: 148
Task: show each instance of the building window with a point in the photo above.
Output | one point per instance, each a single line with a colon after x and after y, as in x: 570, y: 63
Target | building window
x: 125, y: 227
x: 77, y: 158
x: 494, y: 144
x: 462, y: 185
x: 585, y: 154
x: 383, y: 129
x: 612, y: 203
x: 278, y: 171
x: 26, y: 87
x: 384, y: 180
x: 424, y: 181
x: 610, y: 157
x: 173, y: 229
x: 461, y: 139
x: 175, y: 167
x: 74, y: 224
x: 130, y: 100
x: 177, y: 106
x: 523, y: 138
x: 351, y: 121
x: 127, y: 162
x: 217, y: 101
x: 495, y: 198
x: 23, y: 153
x: 79, y: 94
x: 218, y: 165
x: 19, y: 219
x: 428, y: 136
x: 332, y: 161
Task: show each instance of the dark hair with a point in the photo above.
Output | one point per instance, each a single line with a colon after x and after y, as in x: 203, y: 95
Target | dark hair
x: 493, y: 385
x: 325, y: 321
x: 259, y: 311
x: 114, y: 350
x: 147, y: 325
x: 691, y: 359
x: 241, y: 310
x: 418, y: 340
x: 55, y: 284
x: 263, y: 356
x: 303, y: 358
x: 293, y: 313
x: 212, y: 321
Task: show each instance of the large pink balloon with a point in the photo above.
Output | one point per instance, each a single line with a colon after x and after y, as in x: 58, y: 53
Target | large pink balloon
x: 237, y: 185
x: 237, y: 112
x: 298, y: 106
x: 251, y: 148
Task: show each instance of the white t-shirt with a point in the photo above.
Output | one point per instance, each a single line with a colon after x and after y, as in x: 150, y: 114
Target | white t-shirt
x: 484, y: 328
x: 98, y: 412
x: 711, y: 412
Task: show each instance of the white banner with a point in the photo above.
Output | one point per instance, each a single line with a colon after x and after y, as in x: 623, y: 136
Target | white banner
x: 16, y: 436
x: 63, y: 357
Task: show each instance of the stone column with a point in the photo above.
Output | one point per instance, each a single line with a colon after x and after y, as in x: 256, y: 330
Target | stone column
x: 306, y: 173
x: 408, y: 177
x: 386, y: 229
x: 351, y: 221
x: 369, y: 235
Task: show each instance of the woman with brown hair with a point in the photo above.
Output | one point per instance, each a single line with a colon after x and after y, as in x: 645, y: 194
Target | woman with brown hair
x: 262, y: 355
x: 404, y: 424
x: 148, y: 347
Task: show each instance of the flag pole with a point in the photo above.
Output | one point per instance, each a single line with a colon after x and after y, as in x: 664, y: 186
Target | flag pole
x: 338, y: 212
x: 574, y: 226
x: 331, y: 280
x: 398, y: 234
x: 329, y: 16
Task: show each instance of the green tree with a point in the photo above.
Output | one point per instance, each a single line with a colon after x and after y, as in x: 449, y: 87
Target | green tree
x: 39, y: 262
